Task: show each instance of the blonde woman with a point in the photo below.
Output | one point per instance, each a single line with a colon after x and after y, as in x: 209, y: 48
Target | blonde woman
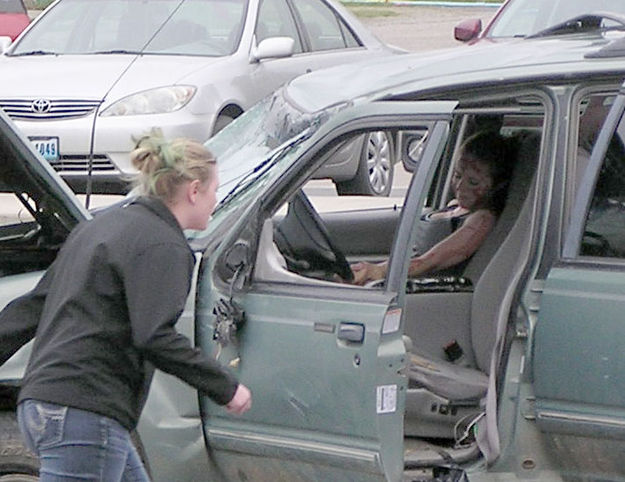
x: 105, y: 311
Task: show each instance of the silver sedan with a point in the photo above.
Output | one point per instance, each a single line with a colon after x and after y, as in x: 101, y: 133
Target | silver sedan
x: 89, y: 77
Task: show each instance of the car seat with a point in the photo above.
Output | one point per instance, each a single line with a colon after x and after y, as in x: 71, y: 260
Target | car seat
x: 441, y: 393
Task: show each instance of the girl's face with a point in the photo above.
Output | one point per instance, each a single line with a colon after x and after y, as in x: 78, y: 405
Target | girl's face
x: 471, y: 182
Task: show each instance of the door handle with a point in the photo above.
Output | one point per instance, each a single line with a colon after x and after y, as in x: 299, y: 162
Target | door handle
x: 351, y: 332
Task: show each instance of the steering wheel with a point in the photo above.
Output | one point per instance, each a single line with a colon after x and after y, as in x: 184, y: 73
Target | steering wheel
x: 305, y: 242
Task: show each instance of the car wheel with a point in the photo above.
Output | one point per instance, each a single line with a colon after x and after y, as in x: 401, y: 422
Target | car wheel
x: 222, y: 121
x: 374, y: 176
x: 17, y: 463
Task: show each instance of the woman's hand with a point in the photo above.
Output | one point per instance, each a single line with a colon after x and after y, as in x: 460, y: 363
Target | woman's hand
x: 365, y: 272
x: 241, y: 402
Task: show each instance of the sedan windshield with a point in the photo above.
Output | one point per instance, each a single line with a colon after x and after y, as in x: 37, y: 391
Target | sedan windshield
x: 521, y: 18
x: 173, y: 27
x: 12, y: 6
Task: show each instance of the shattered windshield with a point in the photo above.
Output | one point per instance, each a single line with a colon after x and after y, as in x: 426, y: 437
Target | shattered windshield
x: 252, y: 138
x: 256, y: 149
x: 521, y: 18
x: 173, y: 27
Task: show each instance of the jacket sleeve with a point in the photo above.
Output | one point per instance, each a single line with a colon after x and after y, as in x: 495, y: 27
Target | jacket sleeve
x: 157, y: 284
x: 20, y: 318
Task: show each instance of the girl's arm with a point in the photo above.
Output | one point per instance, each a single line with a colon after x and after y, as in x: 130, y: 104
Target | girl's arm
x: 456, y: 247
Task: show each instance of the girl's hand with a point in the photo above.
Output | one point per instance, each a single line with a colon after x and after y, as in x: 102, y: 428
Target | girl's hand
x: 364, y: 272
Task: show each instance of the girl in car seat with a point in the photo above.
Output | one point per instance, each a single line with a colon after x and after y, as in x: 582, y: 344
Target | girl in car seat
x: 449, y: 237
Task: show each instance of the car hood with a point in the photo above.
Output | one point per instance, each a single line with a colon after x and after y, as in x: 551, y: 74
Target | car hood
x: 393, y: 75
x: 94, y: 76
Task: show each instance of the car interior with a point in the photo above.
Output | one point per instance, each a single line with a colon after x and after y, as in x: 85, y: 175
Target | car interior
x: 451, y: 324
x: 33, y: 223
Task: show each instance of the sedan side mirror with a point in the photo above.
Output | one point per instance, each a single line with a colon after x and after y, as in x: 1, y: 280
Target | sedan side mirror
x: 273, y: 48
x: 5, y: 43
x: 468, y: 30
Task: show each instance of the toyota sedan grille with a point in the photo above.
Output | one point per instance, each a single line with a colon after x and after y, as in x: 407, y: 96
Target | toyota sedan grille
x: 46, y: 109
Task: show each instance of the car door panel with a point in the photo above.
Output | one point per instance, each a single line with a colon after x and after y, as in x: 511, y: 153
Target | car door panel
x: 581, y: 386
x: 314, y: 391
x: 578, y: 365
x: 324, y: 361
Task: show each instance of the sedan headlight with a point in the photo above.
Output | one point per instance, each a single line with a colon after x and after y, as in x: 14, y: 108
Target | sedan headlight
x: 154, y: 101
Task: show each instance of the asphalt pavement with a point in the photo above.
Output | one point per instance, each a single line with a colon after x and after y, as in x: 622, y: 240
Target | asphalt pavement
x: 418, y: 28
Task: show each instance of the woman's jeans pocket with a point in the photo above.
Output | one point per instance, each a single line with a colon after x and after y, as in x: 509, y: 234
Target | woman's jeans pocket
x: 41, y: 423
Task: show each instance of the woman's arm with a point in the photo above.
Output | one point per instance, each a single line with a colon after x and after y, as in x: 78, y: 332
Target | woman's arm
x: 456, y: 247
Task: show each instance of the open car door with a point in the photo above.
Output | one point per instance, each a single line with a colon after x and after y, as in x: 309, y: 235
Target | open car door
x: 579, y: 361
x: 37, y: 212
x: 324, y: 360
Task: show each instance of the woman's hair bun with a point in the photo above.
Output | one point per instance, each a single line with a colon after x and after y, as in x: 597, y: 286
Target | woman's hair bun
x: 163, y: 165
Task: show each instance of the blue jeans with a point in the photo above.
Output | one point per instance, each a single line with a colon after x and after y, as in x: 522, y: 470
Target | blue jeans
x: 75, y: 444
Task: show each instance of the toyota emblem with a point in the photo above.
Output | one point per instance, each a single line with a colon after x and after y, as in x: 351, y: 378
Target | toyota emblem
x: 40, y: 106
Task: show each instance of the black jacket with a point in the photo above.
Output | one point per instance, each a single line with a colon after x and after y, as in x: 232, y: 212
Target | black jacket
x: 105, y: 307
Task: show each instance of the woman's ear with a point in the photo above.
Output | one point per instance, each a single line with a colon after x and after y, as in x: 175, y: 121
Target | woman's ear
x: 192, y: 190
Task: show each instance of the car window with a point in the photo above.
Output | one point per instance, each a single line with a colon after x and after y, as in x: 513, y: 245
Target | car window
x: 12, y: 6
x: 525, y: 17
x: 593, y: 109
x: 275, y: 20
x: 604, y: 236
x: 303, y: 237
x: 314, y: 232
x: 193, y: 27
x: 201, y: 28
x: 324, y: 28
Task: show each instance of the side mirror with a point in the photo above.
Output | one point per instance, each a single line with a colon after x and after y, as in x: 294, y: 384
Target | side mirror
x: 235, y: 262
x: 5, y: 43
x: 468, y: 30
x: 412, y: 146
x: 273, y: 48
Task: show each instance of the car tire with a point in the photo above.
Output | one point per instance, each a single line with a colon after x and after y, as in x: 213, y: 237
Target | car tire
x: 374, y: 176
x: 17, y: 463
x: 222, y: 121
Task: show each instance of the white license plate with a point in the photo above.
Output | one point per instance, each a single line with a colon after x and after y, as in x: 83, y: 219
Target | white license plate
x: 48, y: 147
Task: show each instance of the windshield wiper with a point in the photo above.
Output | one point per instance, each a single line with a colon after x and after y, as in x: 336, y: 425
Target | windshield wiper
x: 588, y: 22
x: 116, y: 51
x: 248, y: 180
x: 33, y: 52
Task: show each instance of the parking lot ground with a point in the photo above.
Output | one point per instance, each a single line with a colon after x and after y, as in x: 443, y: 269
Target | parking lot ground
x: 417, y: 28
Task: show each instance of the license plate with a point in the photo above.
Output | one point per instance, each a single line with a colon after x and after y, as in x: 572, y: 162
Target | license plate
x: 48, y: 147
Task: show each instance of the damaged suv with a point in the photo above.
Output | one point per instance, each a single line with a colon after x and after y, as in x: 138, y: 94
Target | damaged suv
x: 359, y: 382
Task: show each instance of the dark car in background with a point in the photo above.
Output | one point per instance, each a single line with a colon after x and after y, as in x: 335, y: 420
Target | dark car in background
x: 520, y: 18
x: 13, y: 18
